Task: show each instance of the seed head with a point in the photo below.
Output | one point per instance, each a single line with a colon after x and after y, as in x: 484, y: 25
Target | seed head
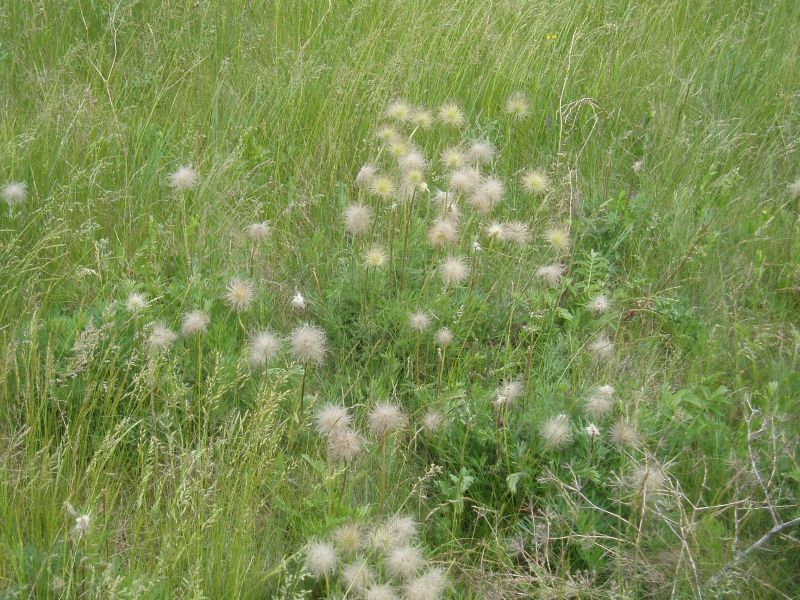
x: 443, y: 337
x: 432, y: 421
x: 194, y: 322
x: 380, y: 592
x: 535, y: 182
x: 450, y: 114
x: 365, y: 175
x: 637, y: 166
x: 413, y: 161
x: 600, y: 402
x: 385, y: 418
x: 259, y: 231
x: 136, y: 302
x: 348, y: 538
x: 550, y: 274
x: 357, y: 219
x: 309, y: 344
x: 509, y: 392
x: 387, y: 134
x: 399, y: 147
x: 442, y: 233
x: 794, y: 188
x: 454, y: 271
x: 495, y: 231
x: 465, y: 180
x: 298, y: 301
x: 15, y: 192
x: 518, y: 106
x: 558, y: 238
x: 375, y: 258
x: 556, y: 432
x: 332, y: 417
x: 344, y: 444
x: 357, y: 576
x: 399, y: 110
x: 488, y: 194
x: 453, y: 158
x: 623, y: 434
x: 599, y: 304
x: 517, y: 232
x: 591, y: 430
x: 264, y: 346
x: 183, y: 178
x: 404, y: 562
x: 480, y: 152
x: 429, y: 586
x: 419, y: 321
x: 82, y: 525
x: 422, y: 118
x: 648, y: 478
x: 239, y: 294
x: 161, y: 337
x: 602, y: 348
x: 383, y: 187
x: 321, y: 559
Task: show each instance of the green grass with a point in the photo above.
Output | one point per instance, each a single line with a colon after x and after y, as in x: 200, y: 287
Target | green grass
x: 276, y: 105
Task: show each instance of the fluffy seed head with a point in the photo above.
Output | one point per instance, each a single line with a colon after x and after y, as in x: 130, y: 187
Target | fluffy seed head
x: 432, y: 421
x: 623, y: 434
x: 518, y: 106
x: 348, y: 538
x: 419, y: 321
x: 357, y: 576
x: 320, y: 559
x: 399, y: 147
x: 450, y: 114
x: 264, y: 346
x: 404, y: 561
x: 298, y: 301
x: 454, y: 271
x: 375, y: 257
x: 387, y: 134
x: 258, y: 231
x: 600, y: 402
x: 648, y: 478
x: 422, y: 118
x: 183, y: 178
x: 413, y: 161
x: 357, y: 219
x: 591, y: 430
x: 428, y: 586
x: 556, y: 432
x: 383, y: 186
x: 365, y: 175
x: 550, y: 274
x: 602, y: 348
x: 443, y: 337
x: 239, y: 294
x: 465, y: 180
x: 136, y: 302
x: 794, y: 188
x: 309, y: 344
x: 15, y: 192
x: 398, y: 530
x: 509, y: 392
x: 637, y: 166
x: 442, y: 233
x: 398, y: 110
x: 517, y: 232
x: 488, y: 194
x: 599, y: 304
x: 160, y: 338
x: 380, y: 592
x: 495, y: 231
x: 344, y: 444
x: 453, y: 158
x: 558, y: 238
x: 535, y: 182
x: 385, y: 418
x: 331, y: 417
x: 480, y: 152
x: 194, y: 322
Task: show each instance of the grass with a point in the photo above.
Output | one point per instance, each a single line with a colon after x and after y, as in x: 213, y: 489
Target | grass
x: 211, y: 485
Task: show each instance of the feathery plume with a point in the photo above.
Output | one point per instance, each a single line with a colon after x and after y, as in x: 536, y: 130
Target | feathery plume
x: 556, y: 432
x: 591, y: 430
x: 357, y: 576
x: 136, y: 302
x: 428, y: 586
x: 399, y: 110
x: 309, y: 344
x: 648, y: 478
x: 357, y: 219
x: 443, y: 232
x: 419, y: 321
x: 259, y: 231
x: 348, y: 538
x: 183, y: 178
x: 321, y: 559
x: 413, y: 161
x: 465, y: 180
x: 450, y: 114
x: 558, y: 238
x: 387, y: 134
x: 454, y: 271
x: 794, y: 188
x: 623, y: 434
x: 161, y: 337
x: 298, y: 302
x: 600, y: 402
x: 509, y: 392
x: 365, y: 175
x: 480, y: 152
x: 383, y: 186
x: 404, y: 562
x: 599, y: 304
x: 432, y: 421
x: 15, y: 192
x: 535, y: 182
x: 264, y: 346
x: 495, y: 231
x: 380, y: 592
x: 517, y: 232
x: 385, y: 418
x: 518, y: 106
x: 550, y: 274
x: 453, y: 158
x: 332, y: 417
x: 194, y: 322
x: 443, y: 337
x: 422, y: 118
x: 602, y: 348
x: 488, y: 194
x: 344, y: 444
x: 375, y: 257
x: 239, y: 294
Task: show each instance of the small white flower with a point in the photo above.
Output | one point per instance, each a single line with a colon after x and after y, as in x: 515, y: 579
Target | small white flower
x: 183, y: 178
x: 592, y: 430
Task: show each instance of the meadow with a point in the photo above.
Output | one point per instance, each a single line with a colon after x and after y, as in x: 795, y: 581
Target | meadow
x: 413, y: 300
